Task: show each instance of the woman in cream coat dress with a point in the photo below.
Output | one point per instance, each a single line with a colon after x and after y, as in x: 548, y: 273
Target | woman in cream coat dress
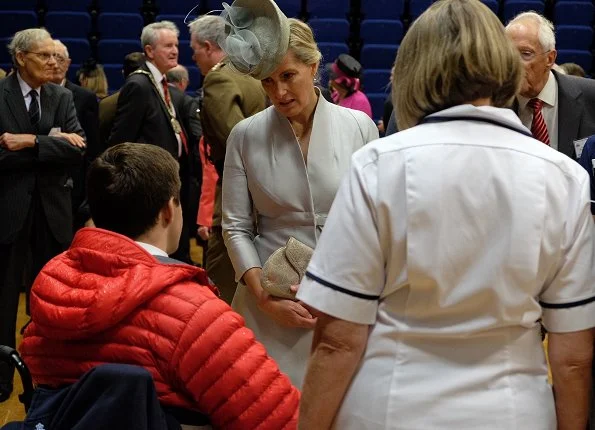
x: 282, y: 169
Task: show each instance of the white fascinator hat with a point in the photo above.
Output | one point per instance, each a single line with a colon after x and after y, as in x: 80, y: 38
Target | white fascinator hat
x: 257, y: 36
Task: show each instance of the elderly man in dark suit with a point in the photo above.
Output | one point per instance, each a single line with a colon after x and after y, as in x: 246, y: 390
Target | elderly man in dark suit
x: 147, y: 111
x: 40, y: 142
x: 558, y: 109
x: 87, y: 112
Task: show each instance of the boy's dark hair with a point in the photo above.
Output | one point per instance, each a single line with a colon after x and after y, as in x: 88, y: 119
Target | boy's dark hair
x: 129, y: 184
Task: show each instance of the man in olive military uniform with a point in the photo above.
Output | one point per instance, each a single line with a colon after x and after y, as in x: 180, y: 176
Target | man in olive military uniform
x: 228, y: 98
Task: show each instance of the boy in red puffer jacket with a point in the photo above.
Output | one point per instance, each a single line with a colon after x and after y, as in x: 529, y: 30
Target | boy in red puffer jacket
x: 116, y: 297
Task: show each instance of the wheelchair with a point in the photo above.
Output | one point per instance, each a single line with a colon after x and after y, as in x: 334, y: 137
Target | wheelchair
x: 109, y: 396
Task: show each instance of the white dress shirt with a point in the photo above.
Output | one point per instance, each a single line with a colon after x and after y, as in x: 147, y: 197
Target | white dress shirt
x: 26, y: 89
x: 151, y: 249
x: 549, y: 97
x: 159, y: 78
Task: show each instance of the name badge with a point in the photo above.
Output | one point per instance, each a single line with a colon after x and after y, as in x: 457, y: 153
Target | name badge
x: 579, y: 145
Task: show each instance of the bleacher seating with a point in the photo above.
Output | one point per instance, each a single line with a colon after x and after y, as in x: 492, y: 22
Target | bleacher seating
x: 115, y: 78
x: 179, y: 21
x: 514, y: 7
x: 78, y: 49
x: 291, y: 8
x: 381, y: 31
x: 330, y: 51
x: 328, y: 9
x: 376, y: 80
x: 492, y: 4
x: 382, y: 9
x: 113, y: 51
x: 68, y: 5
x: 120, y: 25
x: 330, y: 29
x: 172, y: 7
x: 573, y: 13
x: 581, y: 57
x: 574, y: 37
x: 13, y: 21
x: 375, y: 56
x: 377, y: 103
x: 68, y: 24
x: 28, y: 5
x: 121, y: 6
x: 369, y: 30
x: 4, y: 55
x: 417, y: 7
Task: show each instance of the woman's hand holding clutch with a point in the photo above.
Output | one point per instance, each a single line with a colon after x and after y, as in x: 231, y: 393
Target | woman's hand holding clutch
x: 285, y: 312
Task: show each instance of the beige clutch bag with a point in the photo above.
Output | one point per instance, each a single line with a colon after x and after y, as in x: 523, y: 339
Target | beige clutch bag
x: 285, y: 267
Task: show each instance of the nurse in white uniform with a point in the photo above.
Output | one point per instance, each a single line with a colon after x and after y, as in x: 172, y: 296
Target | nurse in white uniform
x: 445, y: 246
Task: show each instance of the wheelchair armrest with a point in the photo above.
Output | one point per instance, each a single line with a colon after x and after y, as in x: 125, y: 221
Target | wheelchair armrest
x: 11, y: 356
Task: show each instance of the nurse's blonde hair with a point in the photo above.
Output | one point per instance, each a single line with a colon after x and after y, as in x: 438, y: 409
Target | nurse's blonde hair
x: 454, y: 53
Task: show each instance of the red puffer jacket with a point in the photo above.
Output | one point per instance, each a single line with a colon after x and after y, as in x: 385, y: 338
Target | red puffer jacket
x: 106, y: 300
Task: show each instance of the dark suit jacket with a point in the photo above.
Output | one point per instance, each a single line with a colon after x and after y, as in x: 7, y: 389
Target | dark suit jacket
x: 187, y: 110
x: 41, y: 171
x: 87, y: 112
x: 107, y: 113
x: 142, y: 116
x: 576, y: 111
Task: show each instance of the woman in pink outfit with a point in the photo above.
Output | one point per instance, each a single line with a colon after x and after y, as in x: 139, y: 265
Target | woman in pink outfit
x: 344, y: 76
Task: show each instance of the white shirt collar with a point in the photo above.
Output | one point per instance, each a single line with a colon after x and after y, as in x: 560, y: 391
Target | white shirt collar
x: 153, y: 250
x: 155, y: 72
x: 547, y: 94
x: 25, y: 88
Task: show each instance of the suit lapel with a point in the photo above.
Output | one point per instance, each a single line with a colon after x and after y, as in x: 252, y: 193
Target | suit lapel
x: 569, y: 104
x: 16, y: 105
x: 158, y: 95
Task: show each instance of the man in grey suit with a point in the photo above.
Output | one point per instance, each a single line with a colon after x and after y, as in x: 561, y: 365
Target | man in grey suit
x: 558, y: 109
x: 35, y: 185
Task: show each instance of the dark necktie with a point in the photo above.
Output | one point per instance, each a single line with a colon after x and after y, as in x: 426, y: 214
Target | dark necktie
x: 538, y: 127
x: 34, y: 116
x: 169, y: 105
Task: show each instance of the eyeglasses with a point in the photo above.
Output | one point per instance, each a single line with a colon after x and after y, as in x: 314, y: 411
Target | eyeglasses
x: 530, y: 55
x: 45, y: 57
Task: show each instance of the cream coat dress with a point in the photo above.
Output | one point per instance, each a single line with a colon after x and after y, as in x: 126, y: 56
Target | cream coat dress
x: 270, y: 194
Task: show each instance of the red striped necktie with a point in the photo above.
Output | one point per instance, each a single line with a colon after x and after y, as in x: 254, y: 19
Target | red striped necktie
x: 538, y: 127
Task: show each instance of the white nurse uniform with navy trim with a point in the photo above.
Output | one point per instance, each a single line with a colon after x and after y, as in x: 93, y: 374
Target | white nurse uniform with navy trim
x: 452, y: 239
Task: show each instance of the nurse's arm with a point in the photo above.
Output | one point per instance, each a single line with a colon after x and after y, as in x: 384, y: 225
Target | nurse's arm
x: 337, y: 349
x: 570, y: 356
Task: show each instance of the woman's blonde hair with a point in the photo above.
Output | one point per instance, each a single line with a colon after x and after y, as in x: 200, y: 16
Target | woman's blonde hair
x: 94, y: 80
x: 454, y: 53
x: 302, y: 43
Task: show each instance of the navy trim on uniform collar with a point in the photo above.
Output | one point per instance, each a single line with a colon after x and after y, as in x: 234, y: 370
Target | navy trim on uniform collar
x: 567, y: 305
x: 340, y: 289
x: 431, y: 119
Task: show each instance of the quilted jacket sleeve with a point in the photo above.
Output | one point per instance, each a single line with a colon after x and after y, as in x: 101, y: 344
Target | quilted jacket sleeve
x: 229, y: 374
